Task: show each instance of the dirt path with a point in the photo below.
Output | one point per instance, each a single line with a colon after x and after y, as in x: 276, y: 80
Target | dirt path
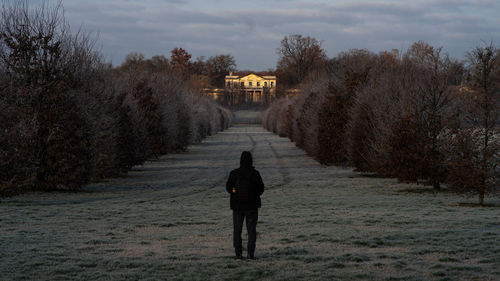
x: 169, y: 219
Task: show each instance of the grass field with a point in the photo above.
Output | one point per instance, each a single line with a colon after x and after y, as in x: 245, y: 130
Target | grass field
x: 170, y: 220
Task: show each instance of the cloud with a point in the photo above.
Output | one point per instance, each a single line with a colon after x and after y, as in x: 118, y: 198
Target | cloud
x: 252, y: 32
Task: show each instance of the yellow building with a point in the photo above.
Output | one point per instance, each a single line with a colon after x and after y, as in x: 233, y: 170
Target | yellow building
x: 254, y: 86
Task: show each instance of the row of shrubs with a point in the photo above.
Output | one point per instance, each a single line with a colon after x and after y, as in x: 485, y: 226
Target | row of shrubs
x: 67, y: 118
x: 419, y: 116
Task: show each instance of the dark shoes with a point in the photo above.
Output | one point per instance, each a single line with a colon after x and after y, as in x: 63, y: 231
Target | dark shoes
x: 249, y: 257
x: 238, y: 256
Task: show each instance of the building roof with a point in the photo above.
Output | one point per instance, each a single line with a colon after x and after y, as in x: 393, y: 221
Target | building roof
x: 245, y: 74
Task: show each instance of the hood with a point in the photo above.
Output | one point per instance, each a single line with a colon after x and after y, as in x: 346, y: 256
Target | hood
x: 246, y: 160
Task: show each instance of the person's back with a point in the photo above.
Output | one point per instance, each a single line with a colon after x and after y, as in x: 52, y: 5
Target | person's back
x: 245, y: 186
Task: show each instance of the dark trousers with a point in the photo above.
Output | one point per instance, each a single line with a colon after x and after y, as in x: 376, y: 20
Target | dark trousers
x: 251, y: 219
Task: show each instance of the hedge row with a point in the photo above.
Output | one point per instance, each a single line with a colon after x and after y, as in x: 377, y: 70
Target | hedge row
x: 420, y: 116
x: 67, y: 118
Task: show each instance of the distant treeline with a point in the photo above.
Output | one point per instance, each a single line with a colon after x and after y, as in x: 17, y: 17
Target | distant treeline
x: 68, y: 118
x: 419, y: 116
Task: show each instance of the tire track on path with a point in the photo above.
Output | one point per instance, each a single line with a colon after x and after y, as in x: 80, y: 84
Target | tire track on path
x: 285, y: 173
x: 227, y: 166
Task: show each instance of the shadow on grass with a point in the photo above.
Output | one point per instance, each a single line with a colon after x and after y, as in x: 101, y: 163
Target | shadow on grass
x: 285, y: 252
x: 424, y: 190
x: 473, y: 205
x: 371, y: 175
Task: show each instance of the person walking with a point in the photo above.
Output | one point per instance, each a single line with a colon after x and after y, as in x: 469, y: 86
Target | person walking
x: 245, y: 186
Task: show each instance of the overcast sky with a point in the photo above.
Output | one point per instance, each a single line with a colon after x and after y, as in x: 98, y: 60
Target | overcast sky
x: 251, y: 30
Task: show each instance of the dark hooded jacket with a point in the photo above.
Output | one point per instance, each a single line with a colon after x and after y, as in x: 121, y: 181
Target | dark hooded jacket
x: 257, y: 185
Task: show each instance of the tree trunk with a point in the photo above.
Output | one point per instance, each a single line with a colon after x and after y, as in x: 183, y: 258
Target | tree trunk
x: 481, y: 198
x: 436, y: 185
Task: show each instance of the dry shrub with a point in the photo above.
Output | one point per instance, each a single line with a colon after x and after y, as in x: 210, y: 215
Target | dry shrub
x: 407, y: 156
x: 382, y: 101
x: 278, y: 118
x: 174, y: 114
x: 270, y: 116
x: 17, y: 164
x: 165, y: 111
x: 394, y: 115
x: 473, y: 169
x: 473, y: 149
x: 285, y: 120
x: 360, y: 134
x: 307, y: 118
x: 208, y: 118
x: 316, y: 120
x: 44, y: 64
x: 295, y: 132
x: 402, y: 116
x: 67, y: 118
x: 201, y: 125
x: 373, y: 108
x: 333, y: 118
x: 349, y: 72
x: 226, y: 117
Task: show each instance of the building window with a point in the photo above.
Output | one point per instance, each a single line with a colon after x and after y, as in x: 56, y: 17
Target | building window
x: 272, y: 84
x: 229, y: 84
x: 242, y: 84
x: 265, y: 84
x: 250, y: 84
x: 258, y: 84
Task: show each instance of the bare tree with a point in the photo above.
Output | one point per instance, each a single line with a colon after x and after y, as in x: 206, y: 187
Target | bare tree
x: 475, y: 148
x: 431, y: 101
x: 218, y: 67
x: 299, y: 55
x: 348, y: 73
x: 180, y: 62
x: 44, y: 62
x: 66, y: 117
